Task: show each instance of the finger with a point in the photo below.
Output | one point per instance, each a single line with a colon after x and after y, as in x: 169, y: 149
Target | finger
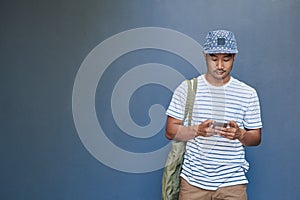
x: 233, y: 124
x: 229, y: 136
x: 222, y: 129
x: 210, y: 132
x: 218, y: 131
x: 207, y: 122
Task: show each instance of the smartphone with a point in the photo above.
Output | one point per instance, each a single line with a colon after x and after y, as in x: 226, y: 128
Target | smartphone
x: 220, y: 124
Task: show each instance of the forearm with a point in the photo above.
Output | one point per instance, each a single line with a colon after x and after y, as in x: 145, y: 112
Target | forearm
x: 181, y: 133
x: 176, y: 131
x: 250, y: 137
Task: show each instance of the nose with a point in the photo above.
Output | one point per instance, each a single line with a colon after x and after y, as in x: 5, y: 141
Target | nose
x: 219, y: 64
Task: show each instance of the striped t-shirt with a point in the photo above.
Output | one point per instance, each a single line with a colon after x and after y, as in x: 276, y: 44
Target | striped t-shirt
x: 213, y: 162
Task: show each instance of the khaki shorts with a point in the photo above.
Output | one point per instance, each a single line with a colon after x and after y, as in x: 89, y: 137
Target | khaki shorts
x: 189, y: 192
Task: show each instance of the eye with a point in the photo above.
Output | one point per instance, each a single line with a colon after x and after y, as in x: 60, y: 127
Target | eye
x: 227, y: 59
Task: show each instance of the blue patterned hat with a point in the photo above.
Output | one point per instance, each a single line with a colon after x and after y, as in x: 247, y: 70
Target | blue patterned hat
x: 220, y: 41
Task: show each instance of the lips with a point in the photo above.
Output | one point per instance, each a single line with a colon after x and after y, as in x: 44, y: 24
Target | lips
x: 220, y: 72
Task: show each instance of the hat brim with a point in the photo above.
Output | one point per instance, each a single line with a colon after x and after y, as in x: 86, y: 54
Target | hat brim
x: 218, y: 51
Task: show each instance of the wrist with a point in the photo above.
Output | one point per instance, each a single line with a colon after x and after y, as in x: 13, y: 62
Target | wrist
x: 185, y: 133
x: 242, y: 135
x: 194, y: 130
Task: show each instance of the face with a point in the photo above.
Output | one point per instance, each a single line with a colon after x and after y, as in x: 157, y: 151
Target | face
x: 219, y: 67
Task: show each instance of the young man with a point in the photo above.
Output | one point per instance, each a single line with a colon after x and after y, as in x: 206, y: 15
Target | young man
x: 226, y: 117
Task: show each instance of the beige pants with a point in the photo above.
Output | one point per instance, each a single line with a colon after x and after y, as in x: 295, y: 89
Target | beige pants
x: 189, y: 192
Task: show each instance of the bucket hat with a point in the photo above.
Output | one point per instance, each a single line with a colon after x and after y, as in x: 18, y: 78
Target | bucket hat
x: 220, y: 41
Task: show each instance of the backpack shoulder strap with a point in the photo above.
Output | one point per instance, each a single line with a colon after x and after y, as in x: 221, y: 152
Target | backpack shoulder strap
x: 190, y: 99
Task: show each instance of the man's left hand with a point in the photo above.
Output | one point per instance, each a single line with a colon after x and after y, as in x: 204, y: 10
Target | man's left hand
x: 231, y: 132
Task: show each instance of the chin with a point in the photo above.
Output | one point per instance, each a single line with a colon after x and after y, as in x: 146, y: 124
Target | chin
x: 219, y: 77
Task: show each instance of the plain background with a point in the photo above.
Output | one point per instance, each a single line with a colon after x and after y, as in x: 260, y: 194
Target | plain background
x: 42, y: 45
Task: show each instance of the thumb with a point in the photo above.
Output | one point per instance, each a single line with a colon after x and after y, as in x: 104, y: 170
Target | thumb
x: 233, y: 124
x: 208, y: 123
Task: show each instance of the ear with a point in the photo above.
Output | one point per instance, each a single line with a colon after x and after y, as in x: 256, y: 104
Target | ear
x: 204, y: 55
x: 234, y: 56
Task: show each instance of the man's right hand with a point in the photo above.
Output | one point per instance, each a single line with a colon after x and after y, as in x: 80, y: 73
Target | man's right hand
x: 205, y: 129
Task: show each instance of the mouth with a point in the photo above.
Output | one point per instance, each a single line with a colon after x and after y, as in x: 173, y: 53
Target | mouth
x: 220, y: 72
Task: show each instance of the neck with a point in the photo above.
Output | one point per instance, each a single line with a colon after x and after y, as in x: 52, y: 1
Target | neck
x: 217, y: 82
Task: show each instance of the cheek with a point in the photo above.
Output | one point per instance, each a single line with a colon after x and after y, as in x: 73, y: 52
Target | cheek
x: 211, y: 64
x: 228, y: 65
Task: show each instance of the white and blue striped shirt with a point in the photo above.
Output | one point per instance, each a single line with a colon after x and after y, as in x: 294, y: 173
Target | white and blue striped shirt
x: 213, y: 162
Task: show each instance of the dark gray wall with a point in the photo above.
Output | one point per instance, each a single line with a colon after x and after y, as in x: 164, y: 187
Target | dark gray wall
x: 42, y: 46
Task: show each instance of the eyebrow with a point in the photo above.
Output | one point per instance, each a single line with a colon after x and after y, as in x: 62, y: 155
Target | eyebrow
x: 227, y: 55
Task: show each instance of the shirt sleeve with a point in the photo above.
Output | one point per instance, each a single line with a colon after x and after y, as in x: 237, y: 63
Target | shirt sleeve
x: 252, y: 118
x: 177, y: 105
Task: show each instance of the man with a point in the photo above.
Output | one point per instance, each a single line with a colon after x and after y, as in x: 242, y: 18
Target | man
x: 226, y: 117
